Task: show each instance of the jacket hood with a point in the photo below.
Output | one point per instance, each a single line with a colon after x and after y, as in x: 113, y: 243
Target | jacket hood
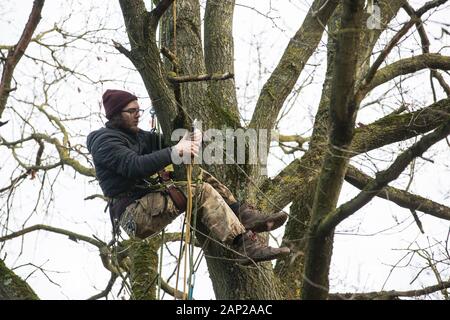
x: 93, y: 136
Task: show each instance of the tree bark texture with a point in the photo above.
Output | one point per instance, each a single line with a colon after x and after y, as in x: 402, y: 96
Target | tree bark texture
x: 12, y: 287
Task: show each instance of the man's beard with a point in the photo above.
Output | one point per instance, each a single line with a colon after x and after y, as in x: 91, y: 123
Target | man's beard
x: 130, y: 128
x: 122, y: 124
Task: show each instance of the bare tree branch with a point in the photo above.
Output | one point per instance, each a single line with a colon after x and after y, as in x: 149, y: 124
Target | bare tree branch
x: 16, y: 52
x: 382, y: 56
x: 171, y: 56
x: 332, y: 172
x: 293, y: 138
x: 406, y: 66
x: 282, y: 188
x: 429, y: 5
x: 445, y: 86
x: 201, y: 77
x: 159, y: 10
x: 402, y: 198
x: 415, y: 19
x: 393, y: 128
x: 14, y: 182
x: 105, y: 253
x: 389, y: 295
x: 72, y: 235
x: 399, y: 127
x: 100, y: 196
x: 107, y: 290
x: 426, y: 47
x: 383, y: 178
x: 170, y: 290
x: 122, y: 50
x: 63, y: 152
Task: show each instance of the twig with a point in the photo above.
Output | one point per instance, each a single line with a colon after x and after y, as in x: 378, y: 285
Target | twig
x: 16, y: 52
x: 201, y: 77
x: 389, y: 295
x: 416, y: 219
x: 171, y: 56
x: 108, y: 288
x: 122, y: 50
x: 159, y: 10
x: 91, y: 197
x: 72, y: 235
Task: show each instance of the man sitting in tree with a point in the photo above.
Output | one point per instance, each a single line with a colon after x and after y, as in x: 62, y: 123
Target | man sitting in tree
x: 125, y: 156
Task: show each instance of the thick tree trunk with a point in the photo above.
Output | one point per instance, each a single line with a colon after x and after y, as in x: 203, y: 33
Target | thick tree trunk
x: 12, y: 287
x: 219, y: 54
x: 290, y: 269
x: 300, y: 211
x: 143, y: 274
x: 186, y: 43
x: 342, y: 114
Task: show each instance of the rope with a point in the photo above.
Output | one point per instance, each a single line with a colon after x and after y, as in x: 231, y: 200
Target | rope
x: 188, y: 215
x: 189, y: 172
x: 161, y: 251
x: 180, y: 254
x: 174, y: 13
x: 192, y: 268
x: 188, y: 223
x: 155, y: 126
x: 187, y: 234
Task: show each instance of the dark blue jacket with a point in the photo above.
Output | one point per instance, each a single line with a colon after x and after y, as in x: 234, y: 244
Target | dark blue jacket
x: 123, y: 159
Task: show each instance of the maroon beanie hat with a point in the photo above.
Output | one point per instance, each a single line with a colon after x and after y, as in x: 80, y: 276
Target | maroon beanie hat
x: 115, y: 100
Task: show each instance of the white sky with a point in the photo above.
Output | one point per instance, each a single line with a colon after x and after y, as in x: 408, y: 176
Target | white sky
x: 360, y: 262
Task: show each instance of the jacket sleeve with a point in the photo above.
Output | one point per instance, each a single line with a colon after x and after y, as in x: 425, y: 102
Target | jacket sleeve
x: 114, y: 154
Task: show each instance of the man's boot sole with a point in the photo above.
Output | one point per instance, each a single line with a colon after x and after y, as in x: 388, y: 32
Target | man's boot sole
x: 269, y: 225
x: 249, y: 261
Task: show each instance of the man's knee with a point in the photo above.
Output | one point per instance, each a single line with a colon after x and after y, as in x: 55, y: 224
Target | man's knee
x: 206, y: 189
x: 210, y: 194
x: 148, y: 215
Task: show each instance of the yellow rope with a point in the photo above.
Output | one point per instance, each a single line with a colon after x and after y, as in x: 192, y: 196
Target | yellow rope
x: 187, y: 238
x: 174, y: 16
x: 174, y: 13
x: 189, y: 167
x: 179, y: 261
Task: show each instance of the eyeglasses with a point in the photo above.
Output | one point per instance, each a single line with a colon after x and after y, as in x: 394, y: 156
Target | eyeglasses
x: 134, y: 111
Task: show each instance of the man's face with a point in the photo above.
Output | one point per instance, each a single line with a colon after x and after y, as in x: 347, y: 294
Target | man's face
x: 131, y: 115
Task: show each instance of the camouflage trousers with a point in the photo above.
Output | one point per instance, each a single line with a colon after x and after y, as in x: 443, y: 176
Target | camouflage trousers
x: 153, y: 212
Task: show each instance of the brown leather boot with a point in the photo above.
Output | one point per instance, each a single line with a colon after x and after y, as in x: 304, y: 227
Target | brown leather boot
x: 251, y: 250
x: 256, y: 221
